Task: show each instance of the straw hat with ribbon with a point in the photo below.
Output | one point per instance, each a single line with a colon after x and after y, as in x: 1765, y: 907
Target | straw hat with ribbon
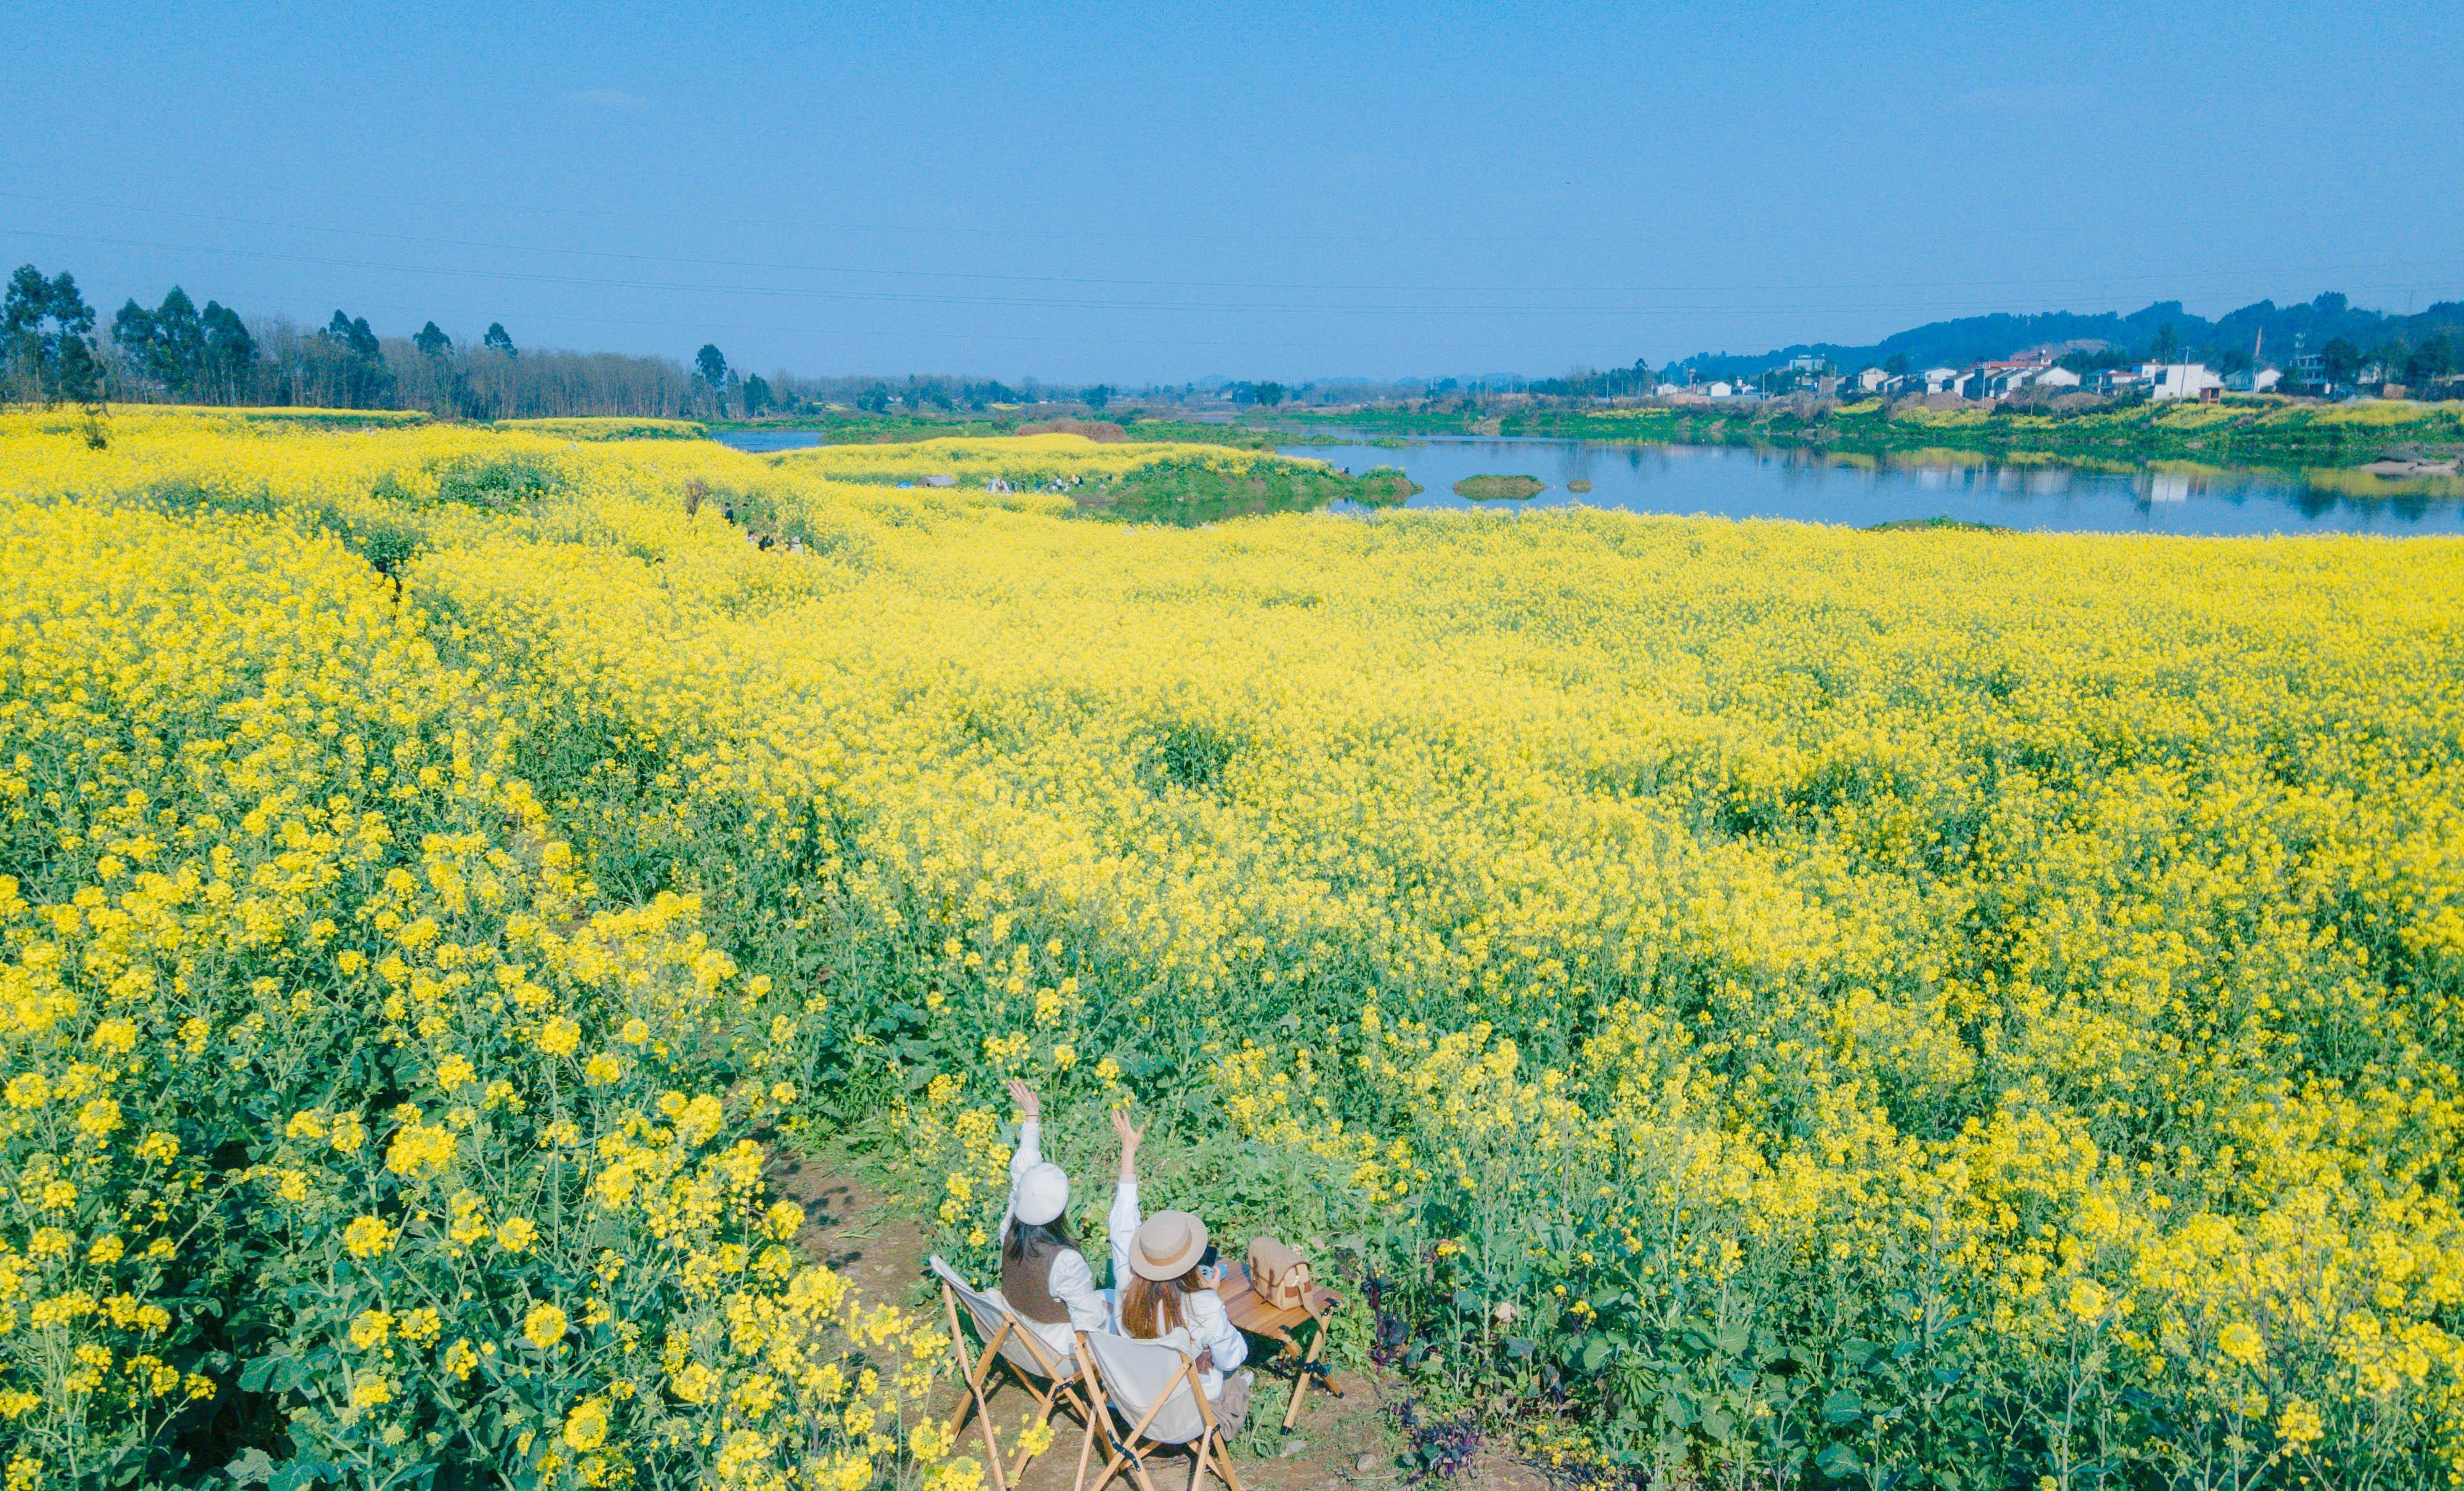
x: 1167, y: 1246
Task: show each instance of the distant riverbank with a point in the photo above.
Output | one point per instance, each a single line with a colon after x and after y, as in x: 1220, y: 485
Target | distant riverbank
x: 2275, y: 433
x: 2266, y: 433
x: 1809, y: 483
x: 866, y: 428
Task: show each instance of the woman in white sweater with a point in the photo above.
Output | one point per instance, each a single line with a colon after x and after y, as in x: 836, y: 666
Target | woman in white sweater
x: 1043, y: 1276
x: 1167, y: 1293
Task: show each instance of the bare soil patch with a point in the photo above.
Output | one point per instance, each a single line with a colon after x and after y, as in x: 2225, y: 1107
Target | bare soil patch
x: 1339, y: 1443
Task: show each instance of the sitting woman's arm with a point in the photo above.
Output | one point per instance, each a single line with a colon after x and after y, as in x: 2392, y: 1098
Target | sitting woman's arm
x: 1074, y: 1284
x: 1212, y: 1324
x: 1030, y: 1152
x: 1124, y: 1218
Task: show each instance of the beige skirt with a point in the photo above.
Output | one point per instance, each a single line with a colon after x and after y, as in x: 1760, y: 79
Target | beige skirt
x: 1232, y: 1407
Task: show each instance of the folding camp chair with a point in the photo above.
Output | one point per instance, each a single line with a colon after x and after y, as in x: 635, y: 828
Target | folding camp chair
x: 1007, y: 1342
x: 1156, y: 1391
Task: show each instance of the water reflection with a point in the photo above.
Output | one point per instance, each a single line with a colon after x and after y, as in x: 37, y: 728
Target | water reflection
x: 763, y: 442
x: 1863, y: 488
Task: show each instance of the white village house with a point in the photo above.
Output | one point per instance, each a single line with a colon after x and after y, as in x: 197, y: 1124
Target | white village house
x: 2182, y: 381
x: 2002, y: 378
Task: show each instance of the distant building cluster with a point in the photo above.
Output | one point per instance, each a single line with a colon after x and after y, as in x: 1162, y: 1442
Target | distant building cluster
x: 2034, y: 373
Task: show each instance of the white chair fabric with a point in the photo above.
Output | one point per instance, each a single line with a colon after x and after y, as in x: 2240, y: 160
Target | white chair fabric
x: 989, y: 1310
x: 1052, y: 1379
x: 1139, y: 1376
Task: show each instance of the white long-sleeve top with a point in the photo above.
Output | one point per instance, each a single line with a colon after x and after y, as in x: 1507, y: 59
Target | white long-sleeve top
x: 1071, y: 1280
x: 1205, y: 1326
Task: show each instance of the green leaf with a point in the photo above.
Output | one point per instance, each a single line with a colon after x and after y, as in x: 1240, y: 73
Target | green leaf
x: 254, y: 1467
x: 1595, y: 1354
x: 1843, y: 1406
x: 301, y: 1475
x: 1839, y: 1463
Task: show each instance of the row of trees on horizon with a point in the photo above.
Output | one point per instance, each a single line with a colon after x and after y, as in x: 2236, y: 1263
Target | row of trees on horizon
x: 2415, y: 348
x: 52, y: 349
x: 55, y: 348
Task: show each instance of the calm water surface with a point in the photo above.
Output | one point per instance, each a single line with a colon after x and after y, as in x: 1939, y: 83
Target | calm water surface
x: 1730, y: 481
x: 763, y: 442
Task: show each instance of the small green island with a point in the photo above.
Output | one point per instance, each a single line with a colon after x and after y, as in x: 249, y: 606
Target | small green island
x: 1500, y: 488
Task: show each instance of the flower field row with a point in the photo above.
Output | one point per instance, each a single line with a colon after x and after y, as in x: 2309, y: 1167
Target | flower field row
x: 1029, y: 460
x: 1751, y: 1003
x: 348, y: 1131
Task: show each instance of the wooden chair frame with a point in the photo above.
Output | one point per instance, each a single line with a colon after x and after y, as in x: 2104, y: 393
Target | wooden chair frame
x: 1059, y: 1389
x: 1131, y: 1452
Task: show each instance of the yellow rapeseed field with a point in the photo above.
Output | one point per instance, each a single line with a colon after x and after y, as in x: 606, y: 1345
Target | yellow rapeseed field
x: 1032, y: 460
x: 1742, y: 1003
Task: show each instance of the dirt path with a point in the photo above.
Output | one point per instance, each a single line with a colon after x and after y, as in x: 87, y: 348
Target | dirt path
x: 1338, y: 1445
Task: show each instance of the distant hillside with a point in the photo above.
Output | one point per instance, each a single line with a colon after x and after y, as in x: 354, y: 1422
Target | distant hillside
x: 1972, y: 339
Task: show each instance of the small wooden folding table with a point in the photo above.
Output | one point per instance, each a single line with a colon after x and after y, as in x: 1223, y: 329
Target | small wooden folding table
x: 1253, y: 1315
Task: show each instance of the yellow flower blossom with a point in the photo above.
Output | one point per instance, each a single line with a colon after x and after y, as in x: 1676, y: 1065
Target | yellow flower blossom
x: 367, y: 1237
x: 544, y: 1325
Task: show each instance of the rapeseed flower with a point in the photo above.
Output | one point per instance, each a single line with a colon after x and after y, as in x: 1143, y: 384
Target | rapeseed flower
x: 2052, y: 934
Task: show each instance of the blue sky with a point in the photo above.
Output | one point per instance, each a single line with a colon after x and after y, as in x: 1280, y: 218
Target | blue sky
x: 1164, y: 192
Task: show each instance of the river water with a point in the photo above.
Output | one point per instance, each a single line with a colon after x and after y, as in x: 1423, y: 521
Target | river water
x: 1730, y: 481
x: 765, y: 442
x: 1733, y: 481
x: 1810, y: 487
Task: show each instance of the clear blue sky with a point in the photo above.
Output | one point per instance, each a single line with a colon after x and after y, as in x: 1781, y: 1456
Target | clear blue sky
x: 1162, y: 192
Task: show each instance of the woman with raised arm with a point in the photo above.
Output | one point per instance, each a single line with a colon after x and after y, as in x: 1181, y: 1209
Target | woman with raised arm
x: 1167, y: 1288
x: 1044, y: 1277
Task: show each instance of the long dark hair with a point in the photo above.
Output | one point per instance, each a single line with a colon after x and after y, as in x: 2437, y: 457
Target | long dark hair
x: 1152, y: 1307
x: 1034, y: 1239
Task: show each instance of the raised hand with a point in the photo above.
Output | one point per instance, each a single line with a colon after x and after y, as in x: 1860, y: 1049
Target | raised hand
x: 1129, y: 1135
x: 1024, y: 1096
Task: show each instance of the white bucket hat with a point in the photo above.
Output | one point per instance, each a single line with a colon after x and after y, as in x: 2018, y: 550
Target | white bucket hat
x: 1042, y: 1194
